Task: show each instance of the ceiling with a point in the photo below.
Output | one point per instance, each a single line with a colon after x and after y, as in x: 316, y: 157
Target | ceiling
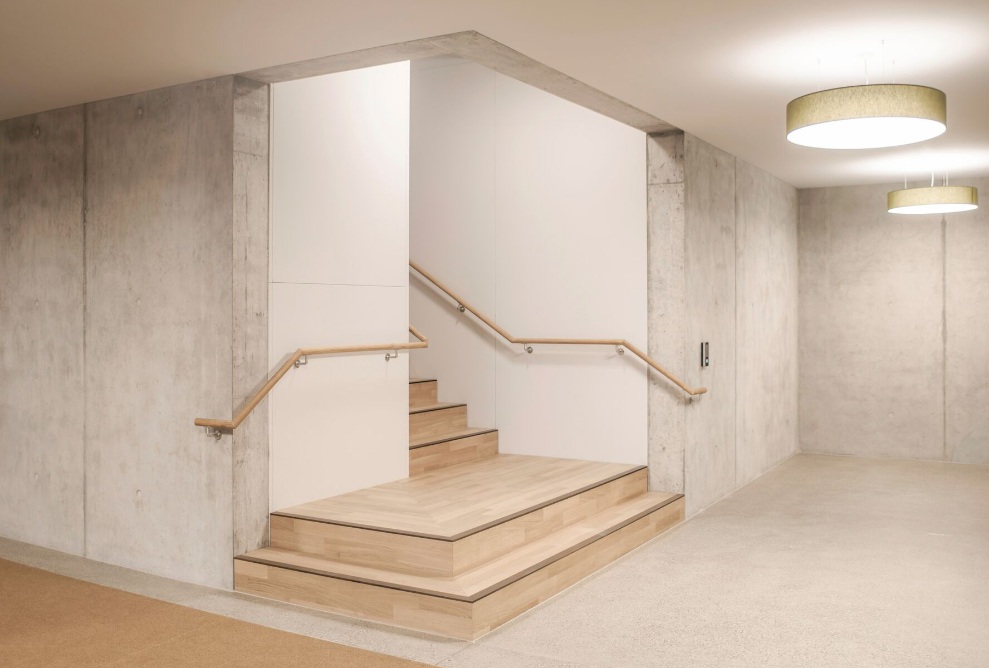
x: 722, y: 70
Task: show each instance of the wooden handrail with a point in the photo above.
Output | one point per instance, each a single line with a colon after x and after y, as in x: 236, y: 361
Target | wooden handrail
x: 230, y: 425
x: 567, y: 342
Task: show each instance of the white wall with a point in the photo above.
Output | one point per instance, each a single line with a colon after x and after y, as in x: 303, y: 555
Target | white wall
x: 534, y: 209
x: 339, y: 253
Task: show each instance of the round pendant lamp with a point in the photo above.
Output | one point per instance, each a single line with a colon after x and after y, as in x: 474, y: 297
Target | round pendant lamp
x: 935, y: 199
x: 870, y: 116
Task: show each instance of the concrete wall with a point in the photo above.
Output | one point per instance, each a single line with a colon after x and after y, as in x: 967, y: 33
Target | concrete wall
x: 42, y: 287
x: 339, y: 276
x: 766, y: 323
x: 893, y: 318
x: 533, y: 208
x: 723, y: 269
x: 118, y: 322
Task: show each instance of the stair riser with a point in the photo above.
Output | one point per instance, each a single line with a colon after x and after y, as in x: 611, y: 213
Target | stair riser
x: 509, y: 602
x: 433, y: 424
x: 484, y: 546
x: 459, y: 619
x: 422, y: 394
x: 450, y: 453
x: 377, y: 549
x: 427, y: 556
x: 379, y: 604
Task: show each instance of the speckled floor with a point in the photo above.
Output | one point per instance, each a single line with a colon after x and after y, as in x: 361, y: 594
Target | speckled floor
x: 824, y: 561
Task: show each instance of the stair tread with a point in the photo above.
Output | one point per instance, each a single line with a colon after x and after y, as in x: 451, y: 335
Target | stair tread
x: 433, y: 407
x: 486, y: 492
x: 486, y: 578
x: 451, y: 436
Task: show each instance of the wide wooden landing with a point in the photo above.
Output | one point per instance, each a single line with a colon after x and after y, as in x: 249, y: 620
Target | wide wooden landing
x: 487, y: 577
x: 454, y: 502
x: 466, y: 606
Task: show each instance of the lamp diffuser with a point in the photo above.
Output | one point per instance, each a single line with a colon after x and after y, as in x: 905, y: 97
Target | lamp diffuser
x: 936, y: 199
x: 871, y: 116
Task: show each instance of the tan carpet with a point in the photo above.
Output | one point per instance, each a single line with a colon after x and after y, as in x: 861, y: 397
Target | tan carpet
x: 52, y: 620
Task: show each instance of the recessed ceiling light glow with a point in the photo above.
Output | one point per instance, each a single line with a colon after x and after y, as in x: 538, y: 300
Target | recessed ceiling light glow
x: 870, y: 116
x: 936, y: 199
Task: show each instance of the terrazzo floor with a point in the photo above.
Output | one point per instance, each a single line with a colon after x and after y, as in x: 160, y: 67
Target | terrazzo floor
x: 823, y: 561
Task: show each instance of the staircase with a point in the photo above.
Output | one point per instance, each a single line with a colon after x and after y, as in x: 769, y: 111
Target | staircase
x: 470, y: 540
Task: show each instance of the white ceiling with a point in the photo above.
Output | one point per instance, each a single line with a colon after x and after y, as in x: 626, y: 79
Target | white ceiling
x: 720, y: 69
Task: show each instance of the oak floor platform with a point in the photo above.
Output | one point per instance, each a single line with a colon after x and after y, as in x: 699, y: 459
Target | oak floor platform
x: 455, y: 612
x: 453, y: 502
x: 490, y: 576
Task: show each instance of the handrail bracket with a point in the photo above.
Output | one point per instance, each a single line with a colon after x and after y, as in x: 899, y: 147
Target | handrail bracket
x: 213, y: 432
x: 302, y: 361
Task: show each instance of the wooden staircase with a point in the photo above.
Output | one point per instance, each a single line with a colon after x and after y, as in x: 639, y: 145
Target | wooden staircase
x: 470, y: 540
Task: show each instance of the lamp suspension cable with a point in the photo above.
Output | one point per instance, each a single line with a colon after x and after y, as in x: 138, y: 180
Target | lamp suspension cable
x: 882, y: 59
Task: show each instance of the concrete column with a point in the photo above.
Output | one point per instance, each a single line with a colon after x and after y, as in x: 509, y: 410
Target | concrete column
x: 250, y: 312
x: 667, y: 318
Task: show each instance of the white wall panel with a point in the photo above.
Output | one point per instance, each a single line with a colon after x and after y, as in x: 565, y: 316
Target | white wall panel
x: 335, y: 426
x: 571, y: 254
x: 535, y: 210
x: 340, y: 277
x: 340, y: 174
x: 453, y: 211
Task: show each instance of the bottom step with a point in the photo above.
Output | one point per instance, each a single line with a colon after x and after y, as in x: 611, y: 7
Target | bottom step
x: 461, y: 617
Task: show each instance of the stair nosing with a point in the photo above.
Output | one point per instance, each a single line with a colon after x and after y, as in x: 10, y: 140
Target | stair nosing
x: 433, y: 407
x: 472, y: 530
x: 416, y: 381
x: 490, y: 589
x: 446, y: 439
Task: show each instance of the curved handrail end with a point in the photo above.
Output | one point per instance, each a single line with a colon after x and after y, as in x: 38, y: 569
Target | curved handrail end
x: 293, y: 360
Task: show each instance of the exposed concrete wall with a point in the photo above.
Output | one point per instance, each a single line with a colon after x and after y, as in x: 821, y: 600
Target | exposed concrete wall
x: 126, y: 229
x: 709, y: 461
x: 893, y: 318
x: 766, y: 288
x: 966, y: 313
x: 159, y: 180
x: 722, y: 269
x: 41, y: 326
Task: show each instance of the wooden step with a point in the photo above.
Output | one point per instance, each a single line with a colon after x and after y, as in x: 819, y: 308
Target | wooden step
x: 470, y: 604
x: 458, y: 501
x: 422, y: 392
x: 451, y: 449
x: 435, y: 420
x: 390, y: 547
